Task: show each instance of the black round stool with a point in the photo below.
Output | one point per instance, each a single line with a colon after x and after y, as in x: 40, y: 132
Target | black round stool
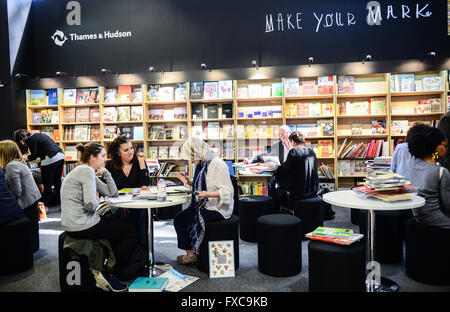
x: 219, y: 231
x: 427, y: 253
x: 310, y: 211
x: 388, y: 235
x: 250, y: 209
x: 336, y: 268
x: 354, y: 216
x: 279, y: 244
x: 74, y: 272
x: 16, y: 244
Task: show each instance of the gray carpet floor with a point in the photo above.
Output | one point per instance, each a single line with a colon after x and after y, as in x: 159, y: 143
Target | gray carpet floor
x: 44, y: 276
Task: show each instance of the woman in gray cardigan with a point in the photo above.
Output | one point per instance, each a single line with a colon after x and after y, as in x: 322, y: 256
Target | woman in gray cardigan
x: 19, y: 178
x: 428, y: 147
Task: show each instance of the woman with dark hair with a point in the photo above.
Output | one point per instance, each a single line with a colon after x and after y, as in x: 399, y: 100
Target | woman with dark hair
x: 298, y: 175
x: 129, y: 170
x: 52, y: 161
x: 80, y: 192
x: 428, y: 147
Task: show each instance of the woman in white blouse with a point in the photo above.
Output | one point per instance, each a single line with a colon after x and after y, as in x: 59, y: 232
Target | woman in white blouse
x: 213, y: 200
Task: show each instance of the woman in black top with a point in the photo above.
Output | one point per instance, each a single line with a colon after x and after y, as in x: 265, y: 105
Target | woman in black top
x: 51, y: 157
x: 129, y: 170
x: 298, y: 175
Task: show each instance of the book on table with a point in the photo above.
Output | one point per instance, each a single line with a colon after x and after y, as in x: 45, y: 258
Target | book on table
x: 148, y: 284
x: 334, y: 235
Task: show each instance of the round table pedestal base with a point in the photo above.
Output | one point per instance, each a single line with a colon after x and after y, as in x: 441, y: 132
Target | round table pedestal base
x: 386, y: 285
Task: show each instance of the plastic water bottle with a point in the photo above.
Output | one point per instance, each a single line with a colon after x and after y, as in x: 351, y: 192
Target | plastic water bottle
x: 161, y: 194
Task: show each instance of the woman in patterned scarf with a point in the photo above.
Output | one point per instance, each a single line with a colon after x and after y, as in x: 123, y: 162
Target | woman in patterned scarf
x: 213, y: 200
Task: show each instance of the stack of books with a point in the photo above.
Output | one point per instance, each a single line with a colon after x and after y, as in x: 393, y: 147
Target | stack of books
x: 379, y: 165
x: 334, y: 235
x: 389, y: 187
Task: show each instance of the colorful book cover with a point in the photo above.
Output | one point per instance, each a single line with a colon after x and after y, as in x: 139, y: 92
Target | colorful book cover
x: 346, y: 84
x: 308, y: 87
x: 109, y: 114
x: 153, y: 93
x: 378, y: 126
x: 124, y: 94
x: 291, y: 87
x: 196, y: 89
x: 93, y: 96
x: 37, y: 97
x: 325, y: 148
x: 377, y: 106
x: 180, y: 92
x: 69, y: 96
x: 327, y: 109
x: 148, y: 284
x: 225, y: 89
x: 277, y: 89
x: 82, y: 96
x: 53, y: 97
x: 156, y: 114
x: 166, y: 94
x: 211, y: 90
x: 315, y: 109
x: 123, y: 113
x: 180, y: 112
x: 137, y: 95
x: 110, y: 96
x: 136, y: 113
x: 302, y: 109
x: 325, y: 85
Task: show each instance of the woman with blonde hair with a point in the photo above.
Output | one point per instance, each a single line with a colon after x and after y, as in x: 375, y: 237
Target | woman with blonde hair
x: 21, y: 183
x: 212, y: 201
x: 19, y: 177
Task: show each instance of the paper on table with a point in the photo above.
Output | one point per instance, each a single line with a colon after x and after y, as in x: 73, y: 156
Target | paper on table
x: 120, y: 199
x: 273, y: 159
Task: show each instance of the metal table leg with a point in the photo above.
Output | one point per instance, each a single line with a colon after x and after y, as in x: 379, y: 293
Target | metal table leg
x: 374, y: 281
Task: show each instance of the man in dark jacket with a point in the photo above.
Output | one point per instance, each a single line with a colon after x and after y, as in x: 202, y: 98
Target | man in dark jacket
x: 444, y: 126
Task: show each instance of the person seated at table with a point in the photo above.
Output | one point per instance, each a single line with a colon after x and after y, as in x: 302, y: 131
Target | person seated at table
x: 214, y: 201
x: 428, y: 147
x: 298, y: 175
x: 402, y: 159
x: 10, y: 209
x: 129, y: 170
x: 19, y: 179
x: 80, y: 192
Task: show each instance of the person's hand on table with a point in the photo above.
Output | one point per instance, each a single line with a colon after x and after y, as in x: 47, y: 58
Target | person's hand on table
x: 246, y: 161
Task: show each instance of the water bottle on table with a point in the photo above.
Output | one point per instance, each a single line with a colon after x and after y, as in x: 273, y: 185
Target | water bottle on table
x: 161, y: 194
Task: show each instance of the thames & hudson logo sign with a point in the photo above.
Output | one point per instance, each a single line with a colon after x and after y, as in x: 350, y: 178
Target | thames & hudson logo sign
x: 59, y: 38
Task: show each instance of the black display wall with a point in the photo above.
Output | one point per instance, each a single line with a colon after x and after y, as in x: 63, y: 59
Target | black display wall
x: 178, y: 35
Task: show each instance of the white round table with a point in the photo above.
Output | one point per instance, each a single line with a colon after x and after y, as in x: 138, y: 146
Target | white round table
x: 171, y: 200
x: 349, y: 199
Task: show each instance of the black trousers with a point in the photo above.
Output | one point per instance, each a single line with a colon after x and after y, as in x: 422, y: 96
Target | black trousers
x: 123, y: 237
x: 51, y: 175
x: 184, y: 218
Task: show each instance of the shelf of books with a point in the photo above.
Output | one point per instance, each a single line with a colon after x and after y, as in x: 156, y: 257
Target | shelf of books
x: 346, y: 119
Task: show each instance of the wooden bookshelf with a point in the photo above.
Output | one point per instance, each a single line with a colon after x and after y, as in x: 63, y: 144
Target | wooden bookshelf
x: 366, y: 88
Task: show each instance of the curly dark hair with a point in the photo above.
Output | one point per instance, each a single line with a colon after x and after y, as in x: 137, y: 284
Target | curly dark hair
x: 417, y: 127
x: 424, y: 140
x: 113, y: 151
